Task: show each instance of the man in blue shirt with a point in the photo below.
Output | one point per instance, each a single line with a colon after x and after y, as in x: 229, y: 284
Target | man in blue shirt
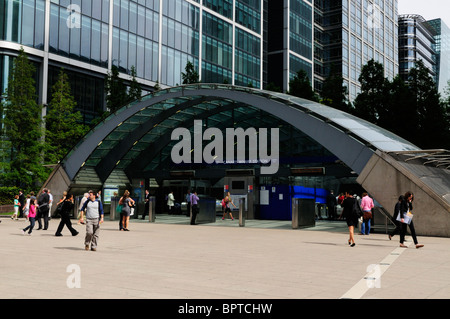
x: 194, y: 205
x: 94, y: 217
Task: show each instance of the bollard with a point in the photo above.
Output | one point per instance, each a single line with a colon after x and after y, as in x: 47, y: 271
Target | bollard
x: 241, y: 212
x: 114, y: 203
x: 294, y: 213
x: 151, y: 209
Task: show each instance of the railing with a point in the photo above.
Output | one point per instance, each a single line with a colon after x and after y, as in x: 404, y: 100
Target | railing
x: 382, y: 220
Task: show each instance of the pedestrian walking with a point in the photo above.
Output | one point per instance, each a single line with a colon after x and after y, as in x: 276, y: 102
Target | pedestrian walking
x: 147, y: 204
x: 188, y: 202
x: 31, y: 217
x: 351, y: 216
x: 405, y: 208
x: 64, y: 211
x: 127, y: 203
x: 366, y: 207
x: 26, y: 208
x: 50, y: 203
x: 226, y: 202
x: 398, y: 225
x: 171, y: 202
x: 22, y: 204
x: 93, y: 210
x: 195, y: 210
x: 16, y: 208
x: 43, y: 208
x: 80, y: 212
x: 331, y: 205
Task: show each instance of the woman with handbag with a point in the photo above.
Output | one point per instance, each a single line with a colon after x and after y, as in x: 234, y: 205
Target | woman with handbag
x: 406, y: 208
x: 351, y: 216
x: 127, y: 203
x: 366, y: 207
x: 64, y: 210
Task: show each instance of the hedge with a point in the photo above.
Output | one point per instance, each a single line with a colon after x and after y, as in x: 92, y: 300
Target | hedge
x: 7, y: 195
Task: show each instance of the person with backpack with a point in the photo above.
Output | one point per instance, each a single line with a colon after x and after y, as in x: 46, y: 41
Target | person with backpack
x: 351, y: 215
x: 226, y: 206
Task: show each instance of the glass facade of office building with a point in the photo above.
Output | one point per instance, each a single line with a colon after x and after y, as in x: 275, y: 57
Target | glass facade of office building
x: 223, y: 39
x: 442, y: 51
x: 416, y: 42
x: 349, y: 33
x: 290, y: 46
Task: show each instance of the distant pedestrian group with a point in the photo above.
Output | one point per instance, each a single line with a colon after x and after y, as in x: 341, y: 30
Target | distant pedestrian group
x: 356, y: 213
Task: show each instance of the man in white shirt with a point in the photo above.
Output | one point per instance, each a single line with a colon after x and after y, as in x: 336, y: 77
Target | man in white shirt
x: 50, y: 204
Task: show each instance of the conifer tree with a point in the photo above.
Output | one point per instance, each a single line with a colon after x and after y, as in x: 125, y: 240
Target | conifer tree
x: 116, y: 90
x: 62, y: 123
x: 191, y: 76
x: 23, y: 127
x: 135, y: 91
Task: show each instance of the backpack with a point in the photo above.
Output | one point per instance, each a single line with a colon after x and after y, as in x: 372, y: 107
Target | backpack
x: 224, y: 204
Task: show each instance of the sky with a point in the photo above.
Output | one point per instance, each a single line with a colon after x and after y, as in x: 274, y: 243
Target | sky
x: 429, y: 9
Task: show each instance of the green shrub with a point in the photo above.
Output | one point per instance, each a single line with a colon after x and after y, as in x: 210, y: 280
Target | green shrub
x: 7, y: 195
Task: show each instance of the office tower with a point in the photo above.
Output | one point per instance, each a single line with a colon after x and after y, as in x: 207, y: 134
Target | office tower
x: 290, y: 40
x: 223, y: 39
x: 416, y: 42
x: 349, y: 33
x: 442, y: 51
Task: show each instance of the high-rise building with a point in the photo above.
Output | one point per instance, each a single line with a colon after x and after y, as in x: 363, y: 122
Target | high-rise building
x: 416, y: 42
x: 290, y: 40
x: 442, y: 51
x: 241, y: 42
x: 349, y: 33
x: 223, y: 39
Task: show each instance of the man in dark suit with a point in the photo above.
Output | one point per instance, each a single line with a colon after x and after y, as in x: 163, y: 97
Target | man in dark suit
x: 147, y: 203
x: 43, y: 208
x: 331, y: 205
x: 22, y: 203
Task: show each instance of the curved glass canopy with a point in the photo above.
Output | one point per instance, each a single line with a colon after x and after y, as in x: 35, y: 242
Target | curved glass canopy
x: 137, y: 138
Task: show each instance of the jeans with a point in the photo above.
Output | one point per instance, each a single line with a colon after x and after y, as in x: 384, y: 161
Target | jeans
x: 365, y: 227
x: 31, y: 226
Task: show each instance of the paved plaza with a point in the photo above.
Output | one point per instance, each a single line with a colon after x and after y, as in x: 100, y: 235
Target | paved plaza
x: 170, y: 259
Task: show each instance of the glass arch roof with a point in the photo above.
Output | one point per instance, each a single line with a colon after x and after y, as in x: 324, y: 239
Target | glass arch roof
x: 137, y: 137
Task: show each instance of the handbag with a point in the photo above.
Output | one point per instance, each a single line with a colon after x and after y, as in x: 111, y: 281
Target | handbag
x: 119, y: 208
x: 58, y: 209
x: 367, y: 215
x: 357, y: 209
